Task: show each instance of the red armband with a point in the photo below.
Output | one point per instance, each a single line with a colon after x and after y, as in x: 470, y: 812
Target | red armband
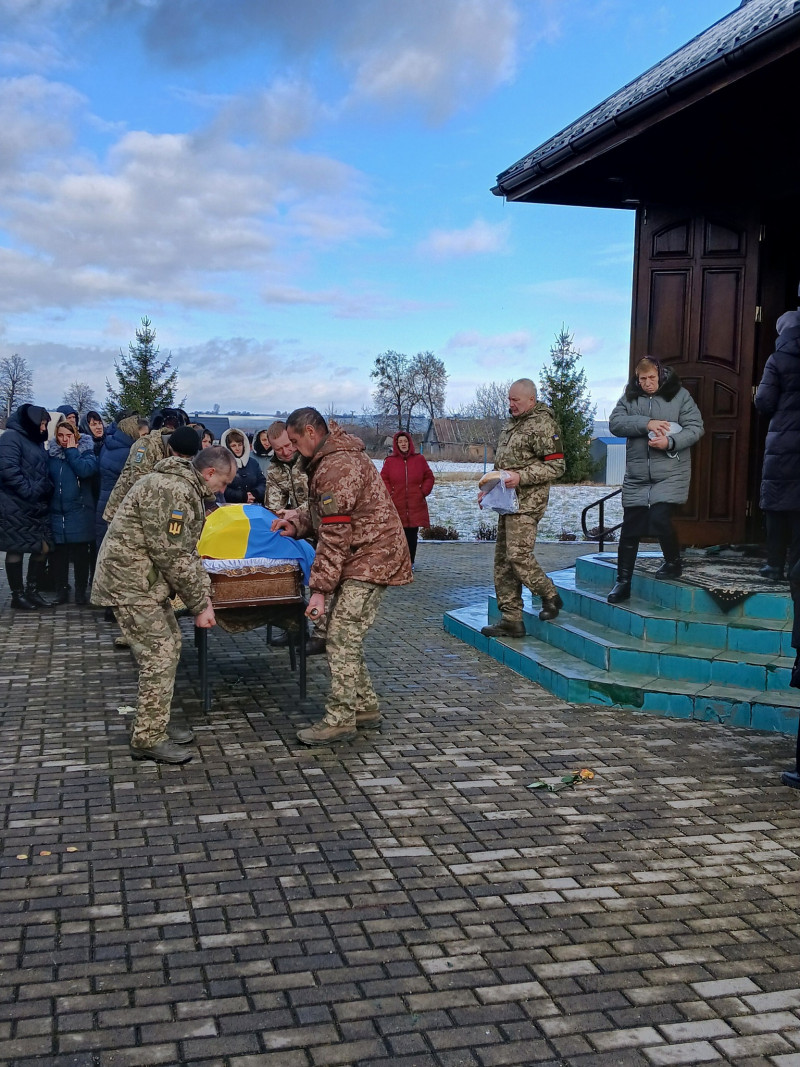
x: 554, y: 455
x: 328, y: 520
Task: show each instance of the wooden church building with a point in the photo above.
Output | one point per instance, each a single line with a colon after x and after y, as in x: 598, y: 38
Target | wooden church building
x: 704, y: 148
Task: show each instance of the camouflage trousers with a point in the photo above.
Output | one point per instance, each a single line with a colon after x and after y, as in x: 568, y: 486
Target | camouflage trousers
x: 355, y: 606
x: 155, y: 640
x: 515, y: 564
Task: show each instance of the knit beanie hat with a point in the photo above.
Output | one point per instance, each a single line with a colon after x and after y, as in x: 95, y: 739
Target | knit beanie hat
x: 185, y: 441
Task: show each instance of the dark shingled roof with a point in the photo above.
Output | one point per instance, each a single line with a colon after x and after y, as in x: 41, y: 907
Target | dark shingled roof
x: 716, y: 48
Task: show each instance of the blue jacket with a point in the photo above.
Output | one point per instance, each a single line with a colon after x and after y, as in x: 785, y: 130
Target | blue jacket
x: 25, y: 485
x: 115, y: 450
x: 778, y: 396
x: 72, y: 502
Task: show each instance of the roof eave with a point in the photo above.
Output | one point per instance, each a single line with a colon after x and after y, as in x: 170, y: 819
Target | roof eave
x: 518, y: 185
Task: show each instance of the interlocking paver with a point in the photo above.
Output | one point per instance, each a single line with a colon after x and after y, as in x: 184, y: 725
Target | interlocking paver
x: 401, y: 901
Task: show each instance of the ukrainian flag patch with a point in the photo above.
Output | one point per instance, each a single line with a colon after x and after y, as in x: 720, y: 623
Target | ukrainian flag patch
x: 175, y: 525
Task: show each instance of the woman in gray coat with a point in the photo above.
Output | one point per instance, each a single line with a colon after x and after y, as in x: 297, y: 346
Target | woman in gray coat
x: 661, y: 422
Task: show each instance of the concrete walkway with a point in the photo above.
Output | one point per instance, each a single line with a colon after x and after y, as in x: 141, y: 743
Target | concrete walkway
x: 405, y: 899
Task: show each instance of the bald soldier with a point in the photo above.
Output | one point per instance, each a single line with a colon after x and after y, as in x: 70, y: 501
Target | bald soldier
x: 149, y: 552
x: 530, y: 449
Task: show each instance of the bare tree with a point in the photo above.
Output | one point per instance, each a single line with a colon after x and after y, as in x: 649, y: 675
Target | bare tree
x: 395, y: 394
x: 429, y: 383
x: 16, y: 384
x: 81, y: 396
x: 491, y: 400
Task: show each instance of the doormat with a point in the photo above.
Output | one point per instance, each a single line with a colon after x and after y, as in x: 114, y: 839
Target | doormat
x: 730, y: 580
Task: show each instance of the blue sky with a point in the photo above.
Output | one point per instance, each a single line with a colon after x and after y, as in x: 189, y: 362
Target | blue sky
x: 287, y: 188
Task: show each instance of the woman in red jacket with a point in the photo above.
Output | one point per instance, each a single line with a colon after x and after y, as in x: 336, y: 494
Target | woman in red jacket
x: 409, y: 480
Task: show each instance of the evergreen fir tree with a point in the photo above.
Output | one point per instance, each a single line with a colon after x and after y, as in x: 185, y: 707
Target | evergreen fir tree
x: 564, y: 389
x: 144, y: 381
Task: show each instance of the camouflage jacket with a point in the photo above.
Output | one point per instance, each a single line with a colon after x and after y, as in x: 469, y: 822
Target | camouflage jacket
x: 531, y: 445
x: 142, y: 459
x: 358, y: 529
x: 287, y: 485
x: 150, y: 549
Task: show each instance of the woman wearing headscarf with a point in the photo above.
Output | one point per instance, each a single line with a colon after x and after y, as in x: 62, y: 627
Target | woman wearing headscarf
x: 73, y: 465
x: 250, y: 482
x: 262, y: 450
x: 409, y: 480
x: 25, y: 491
x: 661, y: 423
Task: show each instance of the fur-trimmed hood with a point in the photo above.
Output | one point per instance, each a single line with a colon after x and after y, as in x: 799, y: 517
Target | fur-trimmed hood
x: 668, y: 384
x: 241, y: 461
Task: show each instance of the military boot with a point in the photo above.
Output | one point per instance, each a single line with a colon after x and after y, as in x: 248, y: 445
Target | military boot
x: 551, y: 605
x: 504, y: 628
x: 18, y: 599
x: 322, y: 733
x: 165, y: 751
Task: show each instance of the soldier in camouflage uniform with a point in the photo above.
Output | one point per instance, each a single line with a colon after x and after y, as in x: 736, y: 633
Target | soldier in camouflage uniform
x: 149, y: 552
x: 287, y: 490
x: 361, y: 549
x: 144, y: 455
x: 530, y: 450
x: 287, y: 481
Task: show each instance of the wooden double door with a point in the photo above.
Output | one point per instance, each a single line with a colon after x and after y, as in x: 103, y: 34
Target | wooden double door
x: 697, y: 309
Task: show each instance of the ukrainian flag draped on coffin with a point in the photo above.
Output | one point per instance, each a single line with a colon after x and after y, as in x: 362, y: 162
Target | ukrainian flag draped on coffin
x: 242, y: 531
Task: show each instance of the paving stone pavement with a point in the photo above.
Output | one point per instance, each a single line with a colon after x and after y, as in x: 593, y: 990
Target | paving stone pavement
x: 404, y: 899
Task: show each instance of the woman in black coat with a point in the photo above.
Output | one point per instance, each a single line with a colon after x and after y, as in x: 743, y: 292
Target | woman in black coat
x: 778, y: 396
x: 25, y: 491
x: 250, y: 483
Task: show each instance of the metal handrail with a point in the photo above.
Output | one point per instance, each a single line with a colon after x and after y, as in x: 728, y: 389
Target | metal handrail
x: 604, y: 532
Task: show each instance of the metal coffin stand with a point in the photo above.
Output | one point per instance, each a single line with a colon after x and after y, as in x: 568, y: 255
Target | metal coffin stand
x: 278, y: 594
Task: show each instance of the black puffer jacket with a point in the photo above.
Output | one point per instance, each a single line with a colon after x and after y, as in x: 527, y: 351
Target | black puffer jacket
x: 25, y: 484
x: 778, y: 396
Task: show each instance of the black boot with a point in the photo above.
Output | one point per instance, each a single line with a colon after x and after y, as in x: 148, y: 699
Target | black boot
x: 551, y: 605
x: 626, y: 561
x: 671, y: 550
x: 32, y: 593
x: 18, y: 599
x: 62, y: 595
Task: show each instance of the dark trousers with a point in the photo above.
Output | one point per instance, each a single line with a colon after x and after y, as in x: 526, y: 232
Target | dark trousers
x: 79, y: 555
x: 411, y: 532
x: 655, y: 521
x: 783, y: 537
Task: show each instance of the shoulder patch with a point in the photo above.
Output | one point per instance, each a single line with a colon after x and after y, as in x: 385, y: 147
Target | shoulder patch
x: 140, y: 453
x: 175, y: 524
x: 328, y: 505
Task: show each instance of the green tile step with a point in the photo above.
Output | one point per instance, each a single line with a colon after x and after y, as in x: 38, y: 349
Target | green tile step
x: 597, y: 572
x: 577, y: 681
x: 594, y: 643
x: 654, y: 622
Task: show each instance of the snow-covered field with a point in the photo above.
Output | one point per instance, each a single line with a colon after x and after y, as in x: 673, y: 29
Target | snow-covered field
x: 453, y: 503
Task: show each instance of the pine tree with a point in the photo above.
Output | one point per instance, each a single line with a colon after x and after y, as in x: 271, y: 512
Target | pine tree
x: 564, y: 389
x: 144, y: 381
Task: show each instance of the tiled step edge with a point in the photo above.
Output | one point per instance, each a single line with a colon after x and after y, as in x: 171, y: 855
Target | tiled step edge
x: 578, y: 682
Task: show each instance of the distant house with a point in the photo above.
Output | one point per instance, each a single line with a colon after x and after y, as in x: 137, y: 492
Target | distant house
x: 465, y: 438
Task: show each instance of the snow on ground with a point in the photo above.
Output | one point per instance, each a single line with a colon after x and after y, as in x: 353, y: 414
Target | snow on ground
x: 454, y: 503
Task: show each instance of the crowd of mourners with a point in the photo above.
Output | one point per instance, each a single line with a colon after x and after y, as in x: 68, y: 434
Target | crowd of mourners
x: 61, y: 480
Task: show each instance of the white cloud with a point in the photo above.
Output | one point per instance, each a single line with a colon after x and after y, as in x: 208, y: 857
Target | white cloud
x: 494, y: 351
x: 358, y: 303
x: 436, y: 55
x: 163, y: 216
x: 579, y: 291
x: 479, y: 238
x: 35, y: 117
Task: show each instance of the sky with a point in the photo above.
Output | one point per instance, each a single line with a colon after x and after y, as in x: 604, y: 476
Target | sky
x: 288, y: 188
